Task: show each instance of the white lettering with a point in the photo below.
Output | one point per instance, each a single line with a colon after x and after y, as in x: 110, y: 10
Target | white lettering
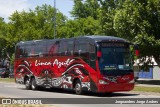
x: 38, y: 63
x: 56, y: 62
x: 60, y: 64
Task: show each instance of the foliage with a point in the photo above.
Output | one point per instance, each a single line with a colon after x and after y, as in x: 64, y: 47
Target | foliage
x: 3, y: 30
x: 86, y: 8
x: 32, y: 25
x: 106, y: 15
x: 139, y: 22
x: 35, y: 24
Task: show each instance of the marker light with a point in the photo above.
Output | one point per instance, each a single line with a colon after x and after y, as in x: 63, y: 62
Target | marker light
x: 99, y: 54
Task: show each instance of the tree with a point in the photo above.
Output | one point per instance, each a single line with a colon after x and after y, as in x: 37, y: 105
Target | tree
x: 3, y: 30
x: 139, y: 21
x: 35, y: 24
x: 85, y: 8
x: 107, y: 12
x: 32, y: 25
x: 80, y: 27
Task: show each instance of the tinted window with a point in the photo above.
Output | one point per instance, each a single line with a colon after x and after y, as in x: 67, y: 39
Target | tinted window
x: 19, y: 51
x: 39, y: 50
x: 70, y: 47
x: 52, y: 48
x: 28, y: 51
x: 66, y: 47
x: 82, y: 50
x: 63, y: 47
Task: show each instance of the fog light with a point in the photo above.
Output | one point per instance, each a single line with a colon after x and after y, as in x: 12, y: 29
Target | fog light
x: 102, y: 82
x: 132, y: 81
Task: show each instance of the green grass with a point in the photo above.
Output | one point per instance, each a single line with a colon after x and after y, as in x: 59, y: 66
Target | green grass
x: 7, y: 80
x: 147, y: 89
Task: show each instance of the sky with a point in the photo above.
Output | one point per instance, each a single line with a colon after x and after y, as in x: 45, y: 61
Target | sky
x: 7, y: 7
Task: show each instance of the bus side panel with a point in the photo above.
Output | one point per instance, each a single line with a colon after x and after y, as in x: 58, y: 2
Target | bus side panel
x: 21, y: 69
x: 57, y: 72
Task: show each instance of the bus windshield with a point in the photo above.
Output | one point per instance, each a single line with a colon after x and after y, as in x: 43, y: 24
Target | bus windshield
x: 115, y: 58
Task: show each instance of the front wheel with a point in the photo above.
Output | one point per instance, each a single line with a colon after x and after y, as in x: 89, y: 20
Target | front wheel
x: 78, y: 87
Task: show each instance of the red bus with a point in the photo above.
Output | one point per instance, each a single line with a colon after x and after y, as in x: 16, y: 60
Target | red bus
x: 88, y: 63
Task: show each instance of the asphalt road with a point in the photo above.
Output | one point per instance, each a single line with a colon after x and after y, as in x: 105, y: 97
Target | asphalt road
x: 12, y: 90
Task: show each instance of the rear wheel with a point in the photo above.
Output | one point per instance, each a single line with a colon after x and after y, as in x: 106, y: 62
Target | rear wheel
x: 33, y: 84
x: 27, y: 84
x: 78, y: 87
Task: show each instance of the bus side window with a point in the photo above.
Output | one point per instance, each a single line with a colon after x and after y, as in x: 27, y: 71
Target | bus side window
x: 92, y: 52
x: 70, y: 47
x: 63, y: 48
x: 21, y: 52
x: 66, y: 47
x: 52, y: 48
x: 28, y: 51
x: 18, y: 51
x: 39, y: 50
x: 82, y: 50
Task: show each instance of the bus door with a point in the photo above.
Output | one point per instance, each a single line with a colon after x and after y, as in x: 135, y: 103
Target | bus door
x: 92, y: 56
x: 86, y: 51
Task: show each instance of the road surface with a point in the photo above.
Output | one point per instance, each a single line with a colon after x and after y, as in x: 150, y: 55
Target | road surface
x: 12, y: 90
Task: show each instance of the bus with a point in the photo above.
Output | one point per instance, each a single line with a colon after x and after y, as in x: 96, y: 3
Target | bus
x: 101, y: 64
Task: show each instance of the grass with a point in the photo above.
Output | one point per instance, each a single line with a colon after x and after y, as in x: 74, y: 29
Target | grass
x: 147, y: 89
x: 7, y: 80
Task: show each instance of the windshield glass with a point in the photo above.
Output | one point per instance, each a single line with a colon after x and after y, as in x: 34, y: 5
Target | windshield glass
x: 115, y: 58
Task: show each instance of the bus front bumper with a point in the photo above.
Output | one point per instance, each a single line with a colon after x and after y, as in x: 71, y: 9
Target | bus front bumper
x: 115, y: 87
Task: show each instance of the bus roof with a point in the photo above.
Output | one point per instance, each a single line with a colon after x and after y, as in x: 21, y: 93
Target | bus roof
x: 98, y: 38
x: 95, y: 38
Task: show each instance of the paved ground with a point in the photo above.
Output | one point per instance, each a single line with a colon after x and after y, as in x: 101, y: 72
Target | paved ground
x: 149, y: 81
x: 13, y: 90
x: 18, y: 91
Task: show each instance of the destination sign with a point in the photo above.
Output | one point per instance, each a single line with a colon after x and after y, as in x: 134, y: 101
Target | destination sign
x: 113, y: 45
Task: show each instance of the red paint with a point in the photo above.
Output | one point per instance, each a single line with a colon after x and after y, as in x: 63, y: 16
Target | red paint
x: 99, y: 54
x: 137, y: 52
x: 56, y: 66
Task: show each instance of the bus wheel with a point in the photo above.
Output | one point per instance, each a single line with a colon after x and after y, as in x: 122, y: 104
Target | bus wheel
x: 27, y: 84
x: 33, y: 84
x: 78, y: 87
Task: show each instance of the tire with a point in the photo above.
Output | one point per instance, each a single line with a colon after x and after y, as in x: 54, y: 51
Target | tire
x: 109, y: 93
x: 33, y: 84
x: 27, y: 84
x: 78, y: 87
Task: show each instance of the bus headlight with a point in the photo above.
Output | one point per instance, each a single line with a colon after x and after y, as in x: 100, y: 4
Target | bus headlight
x: 103, y: 82
x: 132, y: 81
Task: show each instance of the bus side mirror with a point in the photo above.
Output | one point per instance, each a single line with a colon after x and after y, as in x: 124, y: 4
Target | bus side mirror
x: 136, y: 48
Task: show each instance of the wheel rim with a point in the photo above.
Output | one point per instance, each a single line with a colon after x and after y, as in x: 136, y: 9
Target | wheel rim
x: 78, y: 88
x: 27, y: 83
x: 33, y: 84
